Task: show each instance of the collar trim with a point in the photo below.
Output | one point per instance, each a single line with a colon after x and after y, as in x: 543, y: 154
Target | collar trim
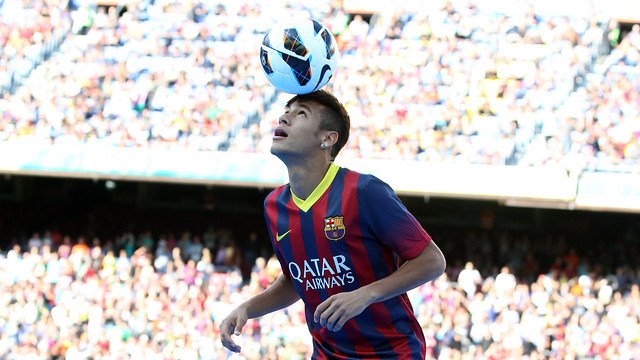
x: 306, y: 204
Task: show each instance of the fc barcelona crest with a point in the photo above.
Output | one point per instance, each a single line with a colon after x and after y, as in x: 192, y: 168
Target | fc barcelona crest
x: 334, y: 228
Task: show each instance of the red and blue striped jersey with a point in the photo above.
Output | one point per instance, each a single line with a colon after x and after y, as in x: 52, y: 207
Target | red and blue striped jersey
x: 343, y: 236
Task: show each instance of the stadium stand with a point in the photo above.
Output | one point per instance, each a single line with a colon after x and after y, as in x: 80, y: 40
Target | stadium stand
x: 28, y: 36
x: 145, y: 297
x: 457, y: 85
x: 99, y: 277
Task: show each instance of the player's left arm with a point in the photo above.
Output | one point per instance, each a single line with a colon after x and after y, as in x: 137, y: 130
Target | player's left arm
x: 391, y: 223
x: 336, y: 310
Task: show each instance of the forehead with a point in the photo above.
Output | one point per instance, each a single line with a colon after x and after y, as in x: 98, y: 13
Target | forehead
x: 309, y: 105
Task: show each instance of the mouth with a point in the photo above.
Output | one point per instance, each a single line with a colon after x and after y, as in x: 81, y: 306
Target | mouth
x: 279, y: 133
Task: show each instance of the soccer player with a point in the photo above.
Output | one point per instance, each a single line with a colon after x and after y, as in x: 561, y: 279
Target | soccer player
x: 338, y: 235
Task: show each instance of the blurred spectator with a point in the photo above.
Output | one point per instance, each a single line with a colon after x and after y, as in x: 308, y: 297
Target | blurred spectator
x: 505, y: 282
x: 193, y: 249
x: 162, y: 256
x: 469, y: 280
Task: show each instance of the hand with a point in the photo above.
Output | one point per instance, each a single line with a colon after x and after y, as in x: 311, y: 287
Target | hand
x: 232, y: 325
x: 334, y: 312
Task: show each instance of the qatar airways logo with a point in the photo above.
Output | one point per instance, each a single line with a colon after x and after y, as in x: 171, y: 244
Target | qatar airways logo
x: 323, y: 273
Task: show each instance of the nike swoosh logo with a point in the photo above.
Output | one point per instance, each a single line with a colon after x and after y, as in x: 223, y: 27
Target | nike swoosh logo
x: 279, y: 237
x: 325, y: 68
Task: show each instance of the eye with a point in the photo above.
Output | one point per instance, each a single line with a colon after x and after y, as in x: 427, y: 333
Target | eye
x: 303, y: 113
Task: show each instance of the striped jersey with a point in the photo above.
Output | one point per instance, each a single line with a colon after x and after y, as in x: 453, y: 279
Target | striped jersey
x: 345, y: 235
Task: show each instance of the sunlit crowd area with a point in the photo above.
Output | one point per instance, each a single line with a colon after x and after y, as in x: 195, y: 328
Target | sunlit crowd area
x: 148, y: 296
x: 446, y: 82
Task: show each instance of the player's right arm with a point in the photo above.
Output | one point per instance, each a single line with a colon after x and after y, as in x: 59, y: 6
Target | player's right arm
x: 278, y: 296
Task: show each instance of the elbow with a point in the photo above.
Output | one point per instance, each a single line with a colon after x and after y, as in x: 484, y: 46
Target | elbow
x: 437, y: 260
x: 441, y: 265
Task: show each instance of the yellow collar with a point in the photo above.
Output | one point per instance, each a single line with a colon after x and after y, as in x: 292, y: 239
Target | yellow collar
x: 306, y: 204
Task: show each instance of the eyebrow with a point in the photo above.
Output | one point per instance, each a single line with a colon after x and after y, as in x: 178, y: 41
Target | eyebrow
x: 303, y: 105
x: 299, y: 104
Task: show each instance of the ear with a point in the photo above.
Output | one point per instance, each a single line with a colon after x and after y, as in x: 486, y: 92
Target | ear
x: 330, y: 137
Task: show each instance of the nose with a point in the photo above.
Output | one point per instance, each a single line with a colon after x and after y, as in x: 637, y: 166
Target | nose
x: 283, y: 120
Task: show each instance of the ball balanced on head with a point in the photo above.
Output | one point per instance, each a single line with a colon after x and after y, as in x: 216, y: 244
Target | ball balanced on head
x: 299, y: 55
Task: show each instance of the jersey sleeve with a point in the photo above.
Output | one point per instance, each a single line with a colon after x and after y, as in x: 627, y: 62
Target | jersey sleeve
x: 389, y: 219
x: 269, y: 209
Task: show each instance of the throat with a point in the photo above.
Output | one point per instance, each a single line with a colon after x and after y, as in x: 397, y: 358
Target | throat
x: 309, y: 185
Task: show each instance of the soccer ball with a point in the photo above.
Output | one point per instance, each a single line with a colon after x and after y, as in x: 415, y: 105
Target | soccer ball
x: 298, y: 55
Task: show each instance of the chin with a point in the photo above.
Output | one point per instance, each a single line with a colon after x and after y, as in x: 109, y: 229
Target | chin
x: 281, y: 152
x: 276, y: 149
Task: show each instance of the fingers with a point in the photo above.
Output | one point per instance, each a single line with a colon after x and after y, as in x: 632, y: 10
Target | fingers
x: 320, y: 309
x: 226, y: 329
x: 228, y: 342
x: 335, y: 322
x: 238, y: 328
x: 330, y: 315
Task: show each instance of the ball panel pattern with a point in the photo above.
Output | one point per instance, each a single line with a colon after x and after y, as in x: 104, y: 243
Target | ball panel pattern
x: 298, y: 56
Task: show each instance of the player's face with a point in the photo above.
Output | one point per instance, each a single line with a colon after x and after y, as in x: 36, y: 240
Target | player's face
x: 297, y: 130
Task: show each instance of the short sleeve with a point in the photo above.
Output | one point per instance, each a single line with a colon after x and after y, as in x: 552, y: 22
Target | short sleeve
x: 269, y: 208
x: 389, y: 220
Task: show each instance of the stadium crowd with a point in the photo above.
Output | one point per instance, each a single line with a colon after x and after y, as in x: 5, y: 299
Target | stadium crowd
x: 443, y: 84
x: 29, y: 35
x: 452, y: 83
x: 150, y: 296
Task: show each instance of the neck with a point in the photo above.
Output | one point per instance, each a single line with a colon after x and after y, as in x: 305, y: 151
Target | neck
x: 305, y: 177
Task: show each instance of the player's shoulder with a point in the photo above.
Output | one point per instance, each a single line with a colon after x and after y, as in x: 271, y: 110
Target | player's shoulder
x: 364, y: 181
x: 278, y: 190
x: 275, y: 193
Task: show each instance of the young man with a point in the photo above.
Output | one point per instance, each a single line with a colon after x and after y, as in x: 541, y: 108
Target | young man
x: 336, y: 233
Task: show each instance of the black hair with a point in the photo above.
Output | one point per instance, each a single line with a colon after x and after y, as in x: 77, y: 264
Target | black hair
x: 334, y: 116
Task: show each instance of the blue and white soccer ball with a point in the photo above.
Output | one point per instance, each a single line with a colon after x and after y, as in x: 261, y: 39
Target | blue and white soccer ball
x: 299, y: 55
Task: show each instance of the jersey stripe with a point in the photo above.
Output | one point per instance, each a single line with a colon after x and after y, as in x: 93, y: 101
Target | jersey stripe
x: 333, y: 207
x: 356, y: 339
x: 282, y: 226
x: 410, y: 346
x: 366, y: 272
x: 362, y: 267
x: 299, y: 253
x: 271, y: 214
x: 307, y: 226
